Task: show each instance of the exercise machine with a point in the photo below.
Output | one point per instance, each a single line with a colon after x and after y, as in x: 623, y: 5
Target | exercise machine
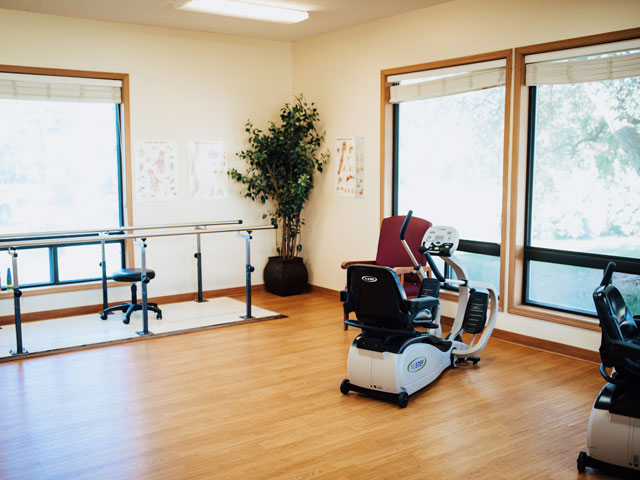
x: 613, y: 438
x: 390, y: 359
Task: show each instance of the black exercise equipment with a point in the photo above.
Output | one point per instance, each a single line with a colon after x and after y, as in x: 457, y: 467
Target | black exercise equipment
x: 613, y: 440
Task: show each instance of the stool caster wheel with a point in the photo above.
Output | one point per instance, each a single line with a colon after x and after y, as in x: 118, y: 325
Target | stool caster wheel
x: 103, y: 316
x: 126, y: 320
x: 159, y: 316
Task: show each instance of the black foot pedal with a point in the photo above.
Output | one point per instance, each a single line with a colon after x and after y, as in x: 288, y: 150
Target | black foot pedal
x: 473, y: 360
x: 430, y: 287
x: 475, y: 315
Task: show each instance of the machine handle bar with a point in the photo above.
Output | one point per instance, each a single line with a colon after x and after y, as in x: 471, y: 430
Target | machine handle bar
x: 423, y: 250
x: 608, y: 273
x: 405, y: 224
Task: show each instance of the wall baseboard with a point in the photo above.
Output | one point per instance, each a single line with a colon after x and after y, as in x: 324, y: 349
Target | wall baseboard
x: 325, y: 291
x: 88, y: 309
x: 504, y: 335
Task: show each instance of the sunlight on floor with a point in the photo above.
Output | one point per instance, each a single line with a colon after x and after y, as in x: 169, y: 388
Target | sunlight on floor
x: 88, y: 330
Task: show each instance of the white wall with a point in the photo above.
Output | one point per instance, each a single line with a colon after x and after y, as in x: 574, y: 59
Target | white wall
x: 184, y: 86
x: 340, y: 71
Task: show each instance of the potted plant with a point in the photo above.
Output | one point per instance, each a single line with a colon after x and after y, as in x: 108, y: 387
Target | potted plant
x: 281, y: 163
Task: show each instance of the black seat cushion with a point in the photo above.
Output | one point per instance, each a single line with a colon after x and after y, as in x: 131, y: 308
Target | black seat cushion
x: 131, y: 275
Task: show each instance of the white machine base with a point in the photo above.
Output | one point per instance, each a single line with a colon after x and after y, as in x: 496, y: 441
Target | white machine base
x: 612, y: 440
x: 396, y: 376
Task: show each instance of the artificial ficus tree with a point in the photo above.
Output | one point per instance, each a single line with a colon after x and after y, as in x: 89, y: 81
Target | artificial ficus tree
x: 281, y: 163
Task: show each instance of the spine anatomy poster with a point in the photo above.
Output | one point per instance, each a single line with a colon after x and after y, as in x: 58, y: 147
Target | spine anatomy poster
x: 207, y: 170
x: 350, y: 167
x: 156, y: 170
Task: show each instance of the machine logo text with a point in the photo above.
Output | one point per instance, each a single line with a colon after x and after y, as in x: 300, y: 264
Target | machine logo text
x: 416, y: 364
x: 369, y: 279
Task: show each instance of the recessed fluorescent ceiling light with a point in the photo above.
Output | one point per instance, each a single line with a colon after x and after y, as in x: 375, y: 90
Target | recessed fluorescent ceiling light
x: 231, y: 8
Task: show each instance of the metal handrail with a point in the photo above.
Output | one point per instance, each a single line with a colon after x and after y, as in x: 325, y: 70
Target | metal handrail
x: 126, y: 228
x: 6, y: 245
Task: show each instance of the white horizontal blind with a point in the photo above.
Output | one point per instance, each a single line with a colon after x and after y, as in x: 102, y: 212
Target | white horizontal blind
x: 448, y: 81
x: 70, y: 89
x: 579, y: 70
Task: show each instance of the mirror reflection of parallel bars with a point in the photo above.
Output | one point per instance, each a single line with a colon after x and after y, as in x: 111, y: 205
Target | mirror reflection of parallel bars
x: 12, y: 242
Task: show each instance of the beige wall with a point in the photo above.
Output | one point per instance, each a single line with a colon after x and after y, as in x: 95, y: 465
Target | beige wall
x: 184, y: 86
x: 340, y: 71
x: 195, y: 86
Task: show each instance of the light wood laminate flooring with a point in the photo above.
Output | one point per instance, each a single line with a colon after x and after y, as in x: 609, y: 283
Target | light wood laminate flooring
x: 262, y: 401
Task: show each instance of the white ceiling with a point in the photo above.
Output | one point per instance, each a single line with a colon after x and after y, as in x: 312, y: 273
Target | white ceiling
x: 324, y: 15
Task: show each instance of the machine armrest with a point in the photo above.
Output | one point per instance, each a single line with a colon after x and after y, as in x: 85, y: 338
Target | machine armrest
x: 344, y: 265
x: 624, y: 350
x: 403, y: 270
x: 417, y: 305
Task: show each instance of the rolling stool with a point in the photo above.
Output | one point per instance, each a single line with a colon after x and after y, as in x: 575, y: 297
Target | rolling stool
x: 132, y: 275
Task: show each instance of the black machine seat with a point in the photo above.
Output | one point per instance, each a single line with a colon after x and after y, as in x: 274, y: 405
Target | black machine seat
x: 375, y: 295
x: 132, y: 275
x: 619, y: 348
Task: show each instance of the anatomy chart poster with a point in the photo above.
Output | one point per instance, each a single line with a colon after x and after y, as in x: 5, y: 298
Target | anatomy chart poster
x: 350, y: 167
x: 156, y: 170
x: 207, y: 170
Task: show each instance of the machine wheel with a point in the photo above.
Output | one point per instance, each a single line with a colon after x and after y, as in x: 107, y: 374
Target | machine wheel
x: 582, y: 461
x: 344, y: 386
x: 403, y: 399
x: 103, y: 316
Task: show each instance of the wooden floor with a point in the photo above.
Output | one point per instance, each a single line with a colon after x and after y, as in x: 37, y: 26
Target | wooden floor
x: 261, y: 401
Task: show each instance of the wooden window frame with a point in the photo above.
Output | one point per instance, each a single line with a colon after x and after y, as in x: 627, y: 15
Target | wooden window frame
x: 125, y: 135
x: 386, y: 145
x: 518, y: 192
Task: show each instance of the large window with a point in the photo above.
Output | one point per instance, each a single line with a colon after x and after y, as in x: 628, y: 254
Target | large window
x: 60, y: 169
x: 449, y: 143
x: 583, y: 180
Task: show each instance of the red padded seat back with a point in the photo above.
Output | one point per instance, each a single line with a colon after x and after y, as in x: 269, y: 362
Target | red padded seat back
x: 391, y: 253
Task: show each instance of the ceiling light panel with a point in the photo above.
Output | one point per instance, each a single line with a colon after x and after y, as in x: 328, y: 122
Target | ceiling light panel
x: 231, y: 8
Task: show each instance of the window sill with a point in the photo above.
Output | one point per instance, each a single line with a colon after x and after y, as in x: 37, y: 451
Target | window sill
x: 76, y: 287
x: 573, y: 320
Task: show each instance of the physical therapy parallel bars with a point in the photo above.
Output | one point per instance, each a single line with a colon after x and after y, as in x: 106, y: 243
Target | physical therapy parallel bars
x: 104, y: 233
x: 140, y: 240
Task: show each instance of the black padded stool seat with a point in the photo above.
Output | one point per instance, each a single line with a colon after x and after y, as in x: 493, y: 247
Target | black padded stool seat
x: 132, y: 275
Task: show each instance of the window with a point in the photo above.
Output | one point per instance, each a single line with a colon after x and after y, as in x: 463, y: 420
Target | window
x: 60, y: 169
x: 583, y: 176
x: 448, y: 156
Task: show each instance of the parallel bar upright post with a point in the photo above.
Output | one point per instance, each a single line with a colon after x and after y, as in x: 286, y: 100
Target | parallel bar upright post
x: 103, y: 265
x: 17, y: 293
x: 143, y: 282
x: 198, y: 257
x: 248, y: 270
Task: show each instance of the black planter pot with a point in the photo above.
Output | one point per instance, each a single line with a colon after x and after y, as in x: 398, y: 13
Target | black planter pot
x: 285, y: 277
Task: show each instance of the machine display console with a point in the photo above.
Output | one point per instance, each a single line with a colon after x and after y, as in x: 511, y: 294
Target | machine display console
x: 441, y: 240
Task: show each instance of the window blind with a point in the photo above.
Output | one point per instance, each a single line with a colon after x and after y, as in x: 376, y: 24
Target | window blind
x: 69, y: 89
x: 574, y: 66
x: 447, y: 81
